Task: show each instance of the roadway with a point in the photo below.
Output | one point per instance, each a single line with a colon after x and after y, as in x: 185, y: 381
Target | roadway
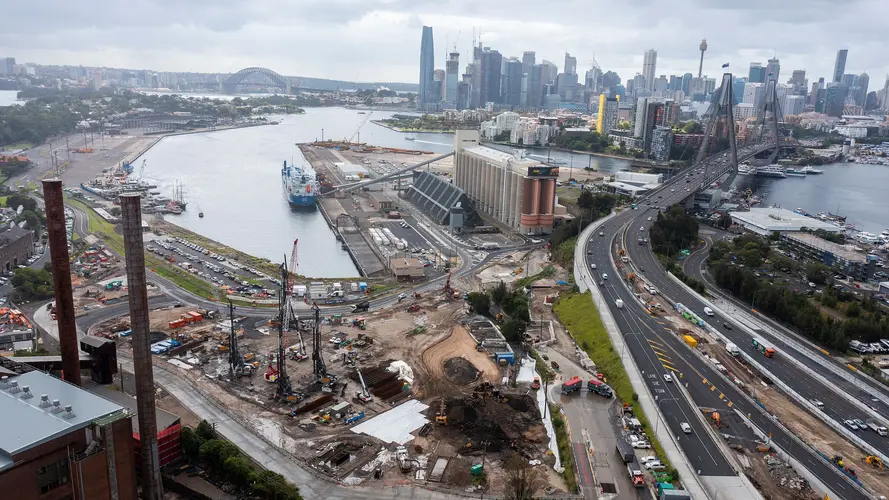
x: 657, y: 349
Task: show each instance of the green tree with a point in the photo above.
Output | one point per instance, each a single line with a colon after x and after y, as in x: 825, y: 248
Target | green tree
x: 724, y: 221
x: 499, y: 293
x: 238, y: 471
x: 32, y: 284
x: 191, y: 443
x: 480, y: 303
x: 817, y: 273
x: 217, y: 451
x: 205, y: 431
x: 13, y: 201
x: 513, y: 329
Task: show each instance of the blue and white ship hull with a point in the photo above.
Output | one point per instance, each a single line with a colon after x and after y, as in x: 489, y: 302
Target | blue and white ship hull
x: 300, y: 186
x: 301, y: 200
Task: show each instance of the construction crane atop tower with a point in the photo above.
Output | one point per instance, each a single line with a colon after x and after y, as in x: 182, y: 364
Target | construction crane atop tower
x: 291, y: 271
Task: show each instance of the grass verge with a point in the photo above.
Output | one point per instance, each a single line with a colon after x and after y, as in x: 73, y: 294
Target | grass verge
x: 579, y: 315
x: 103, y: 229
x: 542, y: 368
x: 564, y: 444
x: 182, y: 278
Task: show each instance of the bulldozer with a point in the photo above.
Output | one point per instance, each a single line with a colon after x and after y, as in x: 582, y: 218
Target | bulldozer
x: 441, y: 418
x: 873, y: 461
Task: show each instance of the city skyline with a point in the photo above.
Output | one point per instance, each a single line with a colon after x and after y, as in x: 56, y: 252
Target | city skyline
x: 377, y: 40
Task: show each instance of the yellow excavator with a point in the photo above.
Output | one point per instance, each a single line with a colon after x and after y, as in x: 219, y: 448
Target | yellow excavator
x: 441, y: 418
x: 873, y: 461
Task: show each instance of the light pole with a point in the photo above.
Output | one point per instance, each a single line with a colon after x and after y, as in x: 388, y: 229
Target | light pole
x: 753, y: 304
x: 658, y: 421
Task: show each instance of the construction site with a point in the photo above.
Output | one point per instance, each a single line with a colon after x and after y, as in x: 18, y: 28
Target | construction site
x: 414, y: 392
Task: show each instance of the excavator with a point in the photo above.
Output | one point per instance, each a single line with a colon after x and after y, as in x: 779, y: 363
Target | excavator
x: 441, y: 418
x: 873, y: 461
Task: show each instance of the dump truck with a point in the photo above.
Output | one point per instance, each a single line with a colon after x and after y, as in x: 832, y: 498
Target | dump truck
x: 572, y: 385
x: 691, y: 341
x: 598, y: 387
x: 625, y: 451
x: 361, y: 306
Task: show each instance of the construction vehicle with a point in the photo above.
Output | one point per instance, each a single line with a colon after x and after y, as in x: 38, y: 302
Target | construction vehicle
x: 598, y: 387
x: 354, y: 418
x: 417, y: 295
x: 413, y: 308
x: 837, y: 460
x: 873, y: 461
x: 404, y: 462
x: 363, y: 395
x: 536, y: 384
x: 450, y: 292
x: 636, y: 476
x: 441, y: 418
x: 361, y: 306
x: 876, y: 427
x: 717, y: 420
x: 767, y: 350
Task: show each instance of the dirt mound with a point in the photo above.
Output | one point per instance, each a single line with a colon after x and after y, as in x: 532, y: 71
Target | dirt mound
x: 460, y: 371
x: 458, y: 345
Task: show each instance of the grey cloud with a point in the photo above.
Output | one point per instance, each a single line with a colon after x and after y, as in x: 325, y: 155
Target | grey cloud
x: 379, y: 39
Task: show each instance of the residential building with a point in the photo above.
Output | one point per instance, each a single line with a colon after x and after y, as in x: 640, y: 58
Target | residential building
x: 754, y: 93
x: 839, y: 66
x: 452, y: 78
x: 463, y: 92
x: 649, y: 66
x: 757, y: 73
x: 649, y: 114
x: 427, y: 67
x: 744, y: 111
x: 835, y: 100
x: 793, y: 105
x: 7, y: 66
x: 773, y: 69
x: 517, y: 192
x: 608, y: 114
x: 660, y: 84
x: 661, y: 143
x: 16, y: 246
x: 843, y: 259
x: 59, y: 441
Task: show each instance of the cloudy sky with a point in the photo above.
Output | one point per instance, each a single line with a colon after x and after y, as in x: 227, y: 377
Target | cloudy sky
x: 379, y: 40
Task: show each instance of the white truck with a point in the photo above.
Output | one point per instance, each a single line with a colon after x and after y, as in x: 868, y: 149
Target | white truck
x: 876, y: 427
x: 733, y: 349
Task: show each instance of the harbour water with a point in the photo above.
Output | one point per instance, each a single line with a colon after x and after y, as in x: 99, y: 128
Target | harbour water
x: 8, y: 97
x: 854, y: 190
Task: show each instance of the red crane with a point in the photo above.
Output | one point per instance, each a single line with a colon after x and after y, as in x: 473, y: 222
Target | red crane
x: 291, y: 272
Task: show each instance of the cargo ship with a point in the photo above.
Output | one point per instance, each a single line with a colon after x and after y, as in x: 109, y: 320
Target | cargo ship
x: 300, y: 185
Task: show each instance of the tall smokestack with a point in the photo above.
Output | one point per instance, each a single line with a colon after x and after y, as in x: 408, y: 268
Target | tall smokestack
x: 61, y: 278
x: 131, y: 212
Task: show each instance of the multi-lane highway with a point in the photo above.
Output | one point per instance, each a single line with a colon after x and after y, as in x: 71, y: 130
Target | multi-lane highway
x: 658, y: 350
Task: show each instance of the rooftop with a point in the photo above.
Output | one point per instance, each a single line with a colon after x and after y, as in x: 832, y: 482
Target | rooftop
x: 770, y: 219
x: 26, y: 424
x: 841, y: 251
x: 12, y: 235
x: 502, y: 159
x: 165, y: 419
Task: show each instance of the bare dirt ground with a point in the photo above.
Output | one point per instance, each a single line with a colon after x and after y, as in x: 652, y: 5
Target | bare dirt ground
x: 458, y: 345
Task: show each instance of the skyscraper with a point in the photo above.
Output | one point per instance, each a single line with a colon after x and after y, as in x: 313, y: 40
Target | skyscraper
x: 649, y: 66
x: 511, y: 85
x: 570, y: 64
x: 490, y: 77
x: 535, y: 86
x: 427, y: 66
x: 438, y: 89
x: 861, y: 90
x: 452, y: 70
x: 835, y: 100
x: 798, y: 80
x: 773, y: 69
x: 686, y: 83
x: 839, y: 67
x: 529, y: 59
x: 757, y: 73
x: 753, y: 93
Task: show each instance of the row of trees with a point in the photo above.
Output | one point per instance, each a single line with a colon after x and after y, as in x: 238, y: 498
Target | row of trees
x: 33, y: 284
x: 591, y: 141
x: 734, y: 265
x: 673, y: 231
x: 34, y: 122
x: 512, y: 303
x: 227, y: 463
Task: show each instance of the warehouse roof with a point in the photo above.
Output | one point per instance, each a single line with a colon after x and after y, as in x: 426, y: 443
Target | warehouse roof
x: 28, y: 421
x: 771, y: 219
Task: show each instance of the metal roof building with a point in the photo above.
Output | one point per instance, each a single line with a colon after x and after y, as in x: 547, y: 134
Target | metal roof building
x: 766, y: 221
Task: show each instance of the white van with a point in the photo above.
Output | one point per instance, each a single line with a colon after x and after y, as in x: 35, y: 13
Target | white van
x: 685, y: 427
x: 708, y: 311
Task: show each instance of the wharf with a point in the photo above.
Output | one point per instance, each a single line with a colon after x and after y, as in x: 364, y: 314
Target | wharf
x: 345, y: 225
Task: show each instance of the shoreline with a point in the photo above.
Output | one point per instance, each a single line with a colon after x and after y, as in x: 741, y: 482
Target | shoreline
x: 411, y: 131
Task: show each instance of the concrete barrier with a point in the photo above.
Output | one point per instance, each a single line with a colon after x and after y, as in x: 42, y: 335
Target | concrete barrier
x: 799, y: 399
x: 675, y: 454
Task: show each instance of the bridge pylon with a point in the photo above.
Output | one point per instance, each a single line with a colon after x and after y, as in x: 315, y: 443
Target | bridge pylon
x: 721, y: 121
x: 768, y: 116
